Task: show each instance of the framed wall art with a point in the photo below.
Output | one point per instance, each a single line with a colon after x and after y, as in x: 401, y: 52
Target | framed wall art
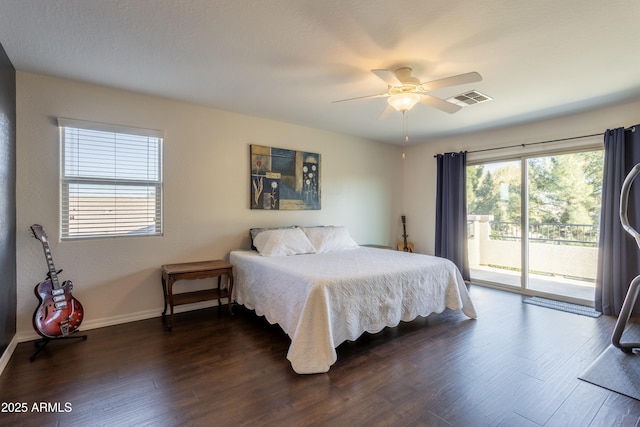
x: 284, y: 179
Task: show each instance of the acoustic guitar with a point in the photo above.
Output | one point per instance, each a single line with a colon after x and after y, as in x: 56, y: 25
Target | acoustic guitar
x: 405, y: 245
x: 58, y: 313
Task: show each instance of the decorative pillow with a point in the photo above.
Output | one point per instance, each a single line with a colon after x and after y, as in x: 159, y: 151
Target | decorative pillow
x: 253, y: 232
x: 281, y: 242
x: 330, y: 238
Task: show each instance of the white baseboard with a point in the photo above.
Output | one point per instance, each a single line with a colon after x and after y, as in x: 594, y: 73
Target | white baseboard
x: 101, y: 323
x: 4, y: 359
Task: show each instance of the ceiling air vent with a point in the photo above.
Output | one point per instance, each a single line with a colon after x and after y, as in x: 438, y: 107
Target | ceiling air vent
x: 469, y: 98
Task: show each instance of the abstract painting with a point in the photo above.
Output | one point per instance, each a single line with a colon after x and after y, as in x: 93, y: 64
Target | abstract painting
x: 284, y: 179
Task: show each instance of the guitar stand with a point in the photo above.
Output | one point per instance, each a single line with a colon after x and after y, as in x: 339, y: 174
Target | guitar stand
x: 42, y: 343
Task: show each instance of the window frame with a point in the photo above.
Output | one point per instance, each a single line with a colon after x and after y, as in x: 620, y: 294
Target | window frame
x: 67, y: 180
x: 522, y: 156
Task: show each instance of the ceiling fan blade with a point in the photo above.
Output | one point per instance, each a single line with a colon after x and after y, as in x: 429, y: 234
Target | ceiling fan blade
x: 440, y: 104
x: 380, y: 95
x: 385, y: 113
x: 460, y: 79
x: 388, y: 76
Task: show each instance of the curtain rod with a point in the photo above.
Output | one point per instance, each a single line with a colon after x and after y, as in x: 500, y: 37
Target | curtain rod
x: 632, y: 128
x: 536, y: 143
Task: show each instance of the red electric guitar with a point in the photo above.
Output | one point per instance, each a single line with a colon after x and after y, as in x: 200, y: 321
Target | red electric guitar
x: 59, y: 313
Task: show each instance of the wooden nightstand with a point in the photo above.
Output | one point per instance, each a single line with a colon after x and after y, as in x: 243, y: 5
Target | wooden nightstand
x: 171, y: 273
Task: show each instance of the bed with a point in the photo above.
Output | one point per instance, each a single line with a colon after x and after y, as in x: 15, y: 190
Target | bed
x: 332, y: 290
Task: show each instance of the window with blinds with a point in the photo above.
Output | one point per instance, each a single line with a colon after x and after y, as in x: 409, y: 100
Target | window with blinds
x: 111, y: 180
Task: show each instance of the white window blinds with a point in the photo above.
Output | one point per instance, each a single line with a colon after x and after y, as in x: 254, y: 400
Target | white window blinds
x: 111, y: 180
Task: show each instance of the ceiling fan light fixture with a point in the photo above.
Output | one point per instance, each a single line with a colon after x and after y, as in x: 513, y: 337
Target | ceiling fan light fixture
x: 404, y: 101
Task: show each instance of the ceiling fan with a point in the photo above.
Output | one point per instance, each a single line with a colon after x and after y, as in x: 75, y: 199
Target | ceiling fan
x: 404, y: 91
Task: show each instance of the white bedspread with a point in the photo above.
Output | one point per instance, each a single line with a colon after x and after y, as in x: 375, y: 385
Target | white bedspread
x: 321, y: 300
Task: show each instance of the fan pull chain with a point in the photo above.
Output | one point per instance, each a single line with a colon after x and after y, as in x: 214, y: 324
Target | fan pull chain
x: 405, y: 126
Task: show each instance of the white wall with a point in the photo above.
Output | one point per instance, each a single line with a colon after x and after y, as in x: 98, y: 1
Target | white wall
x: 420, y: 164
x: 206, y: 193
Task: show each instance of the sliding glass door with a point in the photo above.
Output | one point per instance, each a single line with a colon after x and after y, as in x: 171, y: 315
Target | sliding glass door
x: 556, y: 199
x: 494, y: 222
x: 564, y: 212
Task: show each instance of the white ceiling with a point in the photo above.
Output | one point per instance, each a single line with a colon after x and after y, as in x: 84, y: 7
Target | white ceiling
x: 288, y: 60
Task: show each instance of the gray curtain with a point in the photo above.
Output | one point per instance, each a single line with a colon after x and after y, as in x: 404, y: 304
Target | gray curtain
x: 618, y: 255
x: 451, y: 210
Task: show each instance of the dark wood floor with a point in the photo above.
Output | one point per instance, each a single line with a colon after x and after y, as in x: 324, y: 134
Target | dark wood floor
x: 516, y: 365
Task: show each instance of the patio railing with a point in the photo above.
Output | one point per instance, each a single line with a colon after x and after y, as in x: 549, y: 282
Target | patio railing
x: 557, y: 249
x: 550, y: 233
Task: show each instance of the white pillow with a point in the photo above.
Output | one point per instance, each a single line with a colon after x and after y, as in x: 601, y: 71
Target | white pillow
x: 330, y: 238
x: 286, y: 241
